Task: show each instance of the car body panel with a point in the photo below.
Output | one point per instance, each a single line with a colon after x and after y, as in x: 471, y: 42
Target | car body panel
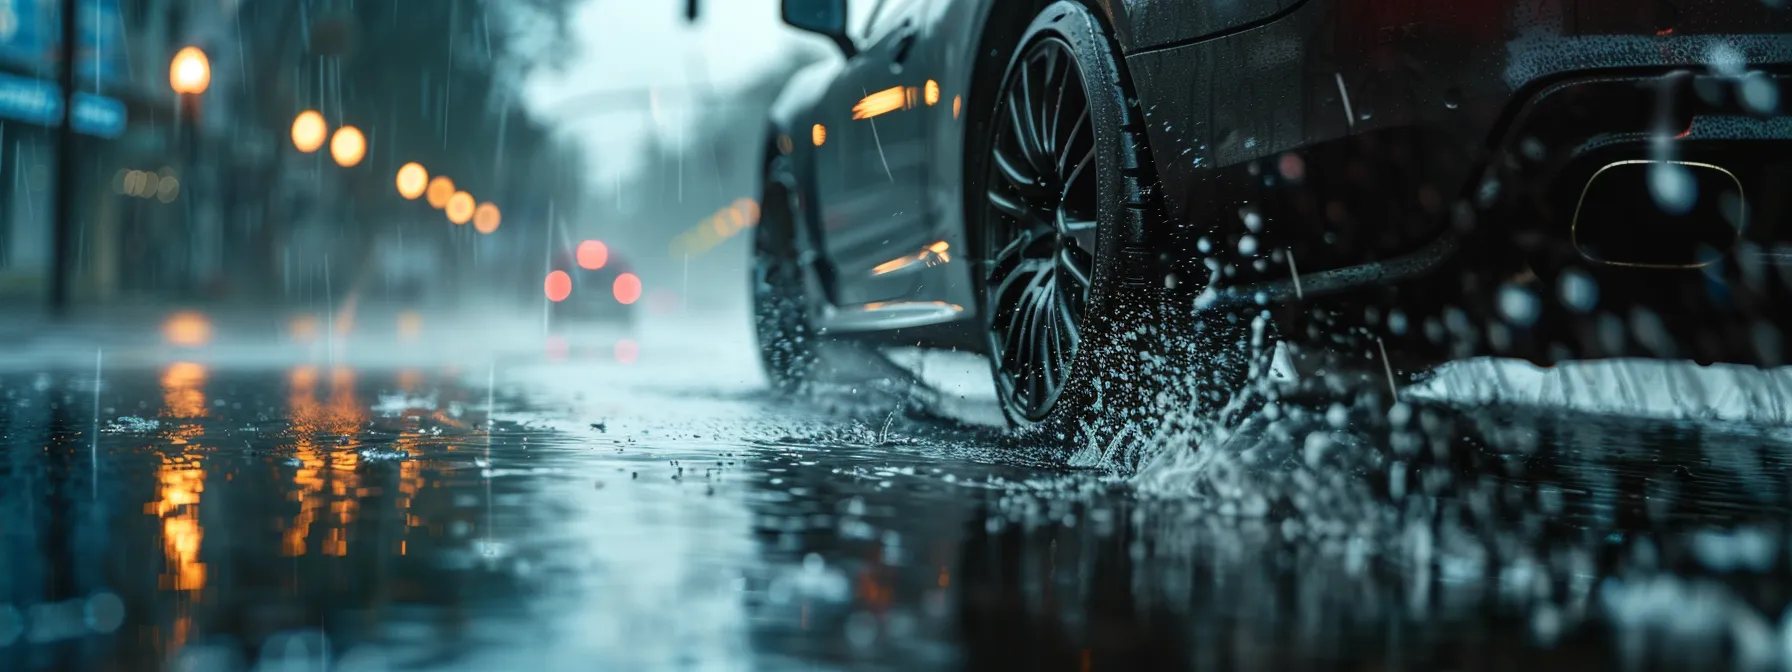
x: 1444, y: 73
x: 1235, y: 95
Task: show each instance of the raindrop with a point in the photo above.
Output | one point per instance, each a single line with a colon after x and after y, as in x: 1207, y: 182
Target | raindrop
x: 1672, y: 187
x: 1726, y: 59
x: 1453, y: 98
x: 1518, y: 305
x: 1578, y: 291
x: 1759, y: 94
x: 1247, y: 245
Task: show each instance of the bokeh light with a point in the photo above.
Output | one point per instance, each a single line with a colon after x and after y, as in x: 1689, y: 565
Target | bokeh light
x: 593, y: 255
x: 191, y: 72
x: 309, y: 131
x: 627, y: 288
x: 818, y: 134
x: 931, y: 92
x: 187, y: 329
x: 486, y: 218
x: 460, y: 207
x: 627, y: 351
x: 440, y: 190
x: 412, y: 180
x: 558, y: 286
x: 348, y: 146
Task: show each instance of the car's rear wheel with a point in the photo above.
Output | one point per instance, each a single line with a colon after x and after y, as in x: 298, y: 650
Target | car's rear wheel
x: 1086, y: 343
x: 780, y: 305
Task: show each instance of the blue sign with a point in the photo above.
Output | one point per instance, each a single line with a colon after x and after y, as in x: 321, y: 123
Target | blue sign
x: 39, y: 102
x: 31, y: 37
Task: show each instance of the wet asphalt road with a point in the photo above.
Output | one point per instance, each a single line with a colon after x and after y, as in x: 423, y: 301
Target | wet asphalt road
x: 554, y: 507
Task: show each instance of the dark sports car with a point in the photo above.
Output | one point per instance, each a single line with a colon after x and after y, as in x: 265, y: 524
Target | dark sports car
x: 1098, y: 193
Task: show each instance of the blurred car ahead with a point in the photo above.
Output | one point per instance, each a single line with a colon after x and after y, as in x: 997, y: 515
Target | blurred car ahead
x: 600, y: 288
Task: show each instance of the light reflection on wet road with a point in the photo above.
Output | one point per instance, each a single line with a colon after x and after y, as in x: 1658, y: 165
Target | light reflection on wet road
x: 667, y: 514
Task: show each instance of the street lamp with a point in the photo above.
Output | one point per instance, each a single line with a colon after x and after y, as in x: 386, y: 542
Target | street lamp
x: 460, y: 207
x: 348, y: 146
x: 412, y: 180
x: 309, y: 131
x: 190, y: 73
x: 486, y: 218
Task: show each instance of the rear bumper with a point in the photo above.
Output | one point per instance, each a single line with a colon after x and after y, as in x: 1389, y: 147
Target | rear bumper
x: 1430, y: 192
x: 1533, y: 262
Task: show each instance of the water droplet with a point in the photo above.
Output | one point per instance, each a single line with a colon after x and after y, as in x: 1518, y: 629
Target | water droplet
x: 1518, y: 305
x: 1578, y: 291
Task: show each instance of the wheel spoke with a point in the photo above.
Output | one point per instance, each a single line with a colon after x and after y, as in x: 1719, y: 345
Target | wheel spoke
x: 1012, y: 207
x: 1010, y: 253
x: 1032, y: 356
x: 1023, y: 177
x: 1026, y: 129
x: 1063, y: 151
x: 1054, y: 78
x: 1051, y: 344
x: 1077, y: 173
x: 1072, y: 331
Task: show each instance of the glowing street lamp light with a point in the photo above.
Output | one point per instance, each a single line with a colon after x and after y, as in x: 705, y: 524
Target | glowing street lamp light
x: 309, y: 131
x: 440, y: 190
x: 348, y: 146
x: 460, y: 207
x: 486, y: 218
x: 412, y: 180
x: 190, y: 73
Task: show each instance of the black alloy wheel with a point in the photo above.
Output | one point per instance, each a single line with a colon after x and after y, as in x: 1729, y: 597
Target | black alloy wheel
x: 1090, y: 347
x: 1041, y: 227
x: 787, y: 339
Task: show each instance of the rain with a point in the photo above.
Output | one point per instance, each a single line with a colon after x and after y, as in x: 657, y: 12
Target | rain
x: 365, y: 335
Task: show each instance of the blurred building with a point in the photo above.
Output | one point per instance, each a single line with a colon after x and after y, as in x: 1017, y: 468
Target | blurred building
x: 206, y: 198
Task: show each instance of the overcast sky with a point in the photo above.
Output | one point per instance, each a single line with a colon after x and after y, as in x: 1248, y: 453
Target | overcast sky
x: 631, y: 44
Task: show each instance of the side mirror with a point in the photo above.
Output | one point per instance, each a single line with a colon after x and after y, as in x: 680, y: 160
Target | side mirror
x: 822, y: 17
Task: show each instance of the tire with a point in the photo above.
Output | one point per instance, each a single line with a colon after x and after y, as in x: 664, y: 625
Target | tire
x: 1088, y: 348
x: 781, y: 312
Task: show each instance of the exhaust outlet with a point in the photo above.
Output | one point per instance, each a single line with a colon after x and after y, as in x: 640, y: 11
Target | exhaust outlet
x: 1659, y: 214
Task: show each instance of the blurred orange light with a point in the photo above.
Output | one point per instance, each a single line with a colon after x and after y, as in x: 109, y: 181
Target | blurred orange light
x: 818, y: 134
x: 593, y: 255
x: 187, y: 329
x: 486, y: 218
x: 558, y: 286
x: 957, y: 102
x: 440, y: 190
x: 304, y: 328
x: 460, y: 207
x: 309, y: 131
x: 348, y: 146
x: 412, y: 180
x: 627, y: 288
x: 191, y: 72
x: 410, y: 325
x: 931, y: 92
x: 880, y: 103
x: 627, y: 350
